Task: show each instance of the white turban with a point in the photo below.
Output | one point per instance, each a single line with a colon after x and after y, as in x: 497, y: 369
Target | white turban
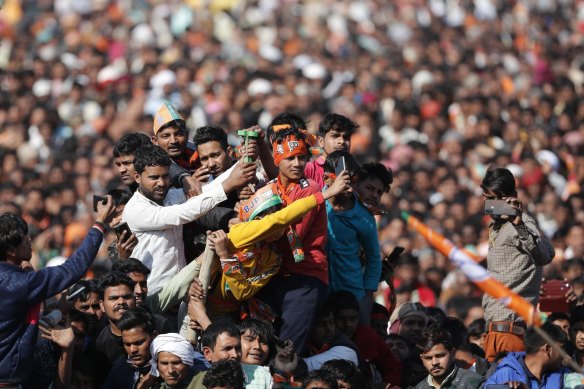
x: 171, y: 343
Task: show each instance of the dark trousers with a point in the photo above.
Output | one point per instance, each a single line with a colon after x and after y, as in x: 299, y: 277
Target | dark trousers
x: 295, y: 298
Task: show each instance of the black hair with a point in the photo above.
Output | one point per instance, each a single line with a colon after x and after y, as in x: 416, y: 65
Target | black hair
x: 377, y: 170
x: 120, y: 196
x: 472, y: 348
x: 347, y: 371
x: 87, y: 287
x: 351, y: 164
x: 568, y: 263
x: 129, y: 143
x: 209, y: 338
x: 575, y: 328
x: 377, y: 308
x: 224, y: 374
x: 13, y: 230
x: 533, y: 341
x: 477, y: 327
x: 137, y: 318
x: 130, y: 265
x: 150, y: 155
x: 325, y: 309
x: 456, y: 328
x: 211, y: 133
x: 114, y: 278
x: 290, y: 118
x: 500, y: 181
x: 260, y: 328
x: 558, y: 316
x: 344, y: 300
x: 433, y: 336
x: 322, y: 376
x: 336, y: 122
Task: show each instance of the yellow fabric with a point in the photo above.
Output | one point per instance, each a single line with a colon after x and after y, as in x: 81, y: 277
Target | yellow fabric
x: 256, y: 272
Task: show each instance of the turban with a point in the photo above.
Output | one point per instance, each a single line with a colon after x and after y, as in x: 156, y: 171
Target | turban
x: 172, y: 343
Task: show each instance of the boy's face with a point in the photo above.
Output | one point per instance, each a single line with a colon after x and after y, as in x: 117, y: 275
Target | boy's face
x: 398, y: 347
x: 345, y: 195
x: 214, y: 158
x: 333, y: 141
x: 347, y: 320
x: 253, y: 350
x: 370, y: 190
x: 292, y: 168
x: 125, y: 166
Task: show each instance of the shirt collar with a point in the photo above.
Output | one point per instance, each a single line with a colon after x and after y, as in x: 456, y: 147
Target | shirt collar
x: 446, y: 380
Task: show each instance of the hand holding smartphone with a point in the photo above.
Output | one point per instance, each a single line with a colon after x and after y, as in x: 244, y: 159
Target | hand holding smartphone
x: 499, y: 207
x: 97, y: 199
x: 120, y: 228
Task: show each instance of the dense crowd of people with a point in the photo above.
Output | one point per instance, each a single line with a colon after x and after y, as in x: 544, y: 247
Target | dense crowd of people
x: 253, y: 162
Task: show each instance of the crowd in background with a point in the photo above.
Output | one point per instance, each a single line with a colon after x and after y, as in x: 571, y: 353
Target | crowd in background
x: 440, y: 90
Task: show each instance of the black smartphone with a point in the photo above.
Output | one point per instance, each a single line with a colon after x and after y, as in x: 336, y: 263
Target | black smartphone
x: 394, y: 255
x: 121, y: 228
x: 340, y: 166
x: 97, y: 199
x: 499, y: 207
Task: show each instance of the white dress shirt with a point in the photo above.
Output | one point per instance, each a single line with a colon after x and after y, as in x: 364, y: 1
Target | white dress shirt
x: 159, y: 229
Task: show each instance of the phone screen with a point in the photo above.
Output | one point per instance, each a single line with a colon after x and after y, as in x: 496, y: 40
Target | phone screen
x: 340, y: 166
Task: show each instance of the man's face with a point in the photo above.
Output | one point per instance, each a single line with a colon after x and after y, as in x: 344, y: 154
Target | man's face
x: 137, y: 345
x: 370, y: 190
x: 226, y: 348
x: 334, y: 140
x: 172, y: 369
x: 117, y: 300
x: 173, y: 140
x: 564, y: 325
x: 318, y: 385
x: 214, y: 158
x: 438, y: 361
x: 154, y: 182
x: 398, y: 347
x: 347, y: 320
x: 91, y: 307
x: 411, y: 328
x: 292, y: 168
x: 324, y: 330
x: 253, y: 350
x: 141, y: 287
x: 125, y: 166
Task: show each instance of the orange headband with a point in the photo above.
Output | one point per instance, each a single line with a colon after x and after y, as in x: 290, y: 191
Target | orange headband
x: 291, y: 146
x: 311, y: 139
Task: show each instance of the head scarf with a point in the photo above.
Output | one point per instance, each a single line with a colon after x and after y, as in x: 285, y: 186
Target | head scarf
x: 290, y: 146
x: 165, y: 114
x: 310, y: 139
x: 172, y: 343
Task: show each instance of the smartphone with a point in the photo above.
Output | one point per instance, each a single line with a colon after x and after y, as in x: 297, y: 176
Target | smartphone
x: 121, y: 228
x: 340, y: 166
x: 499, y: 207
x: 553, y: 298
x: 97, y: 199
x: 394, y: 255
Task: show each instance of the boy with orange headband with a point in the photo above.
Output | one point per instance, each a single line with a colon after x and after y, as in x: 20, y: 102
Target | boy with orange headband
x: 247, y: 254
x: 302, y: 282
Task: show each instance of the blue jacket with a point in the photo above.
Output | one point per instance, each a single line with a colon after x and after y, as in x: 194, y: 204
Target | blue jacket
x: 511, y: 368
x: 21, y: 294
x: 348, y: 231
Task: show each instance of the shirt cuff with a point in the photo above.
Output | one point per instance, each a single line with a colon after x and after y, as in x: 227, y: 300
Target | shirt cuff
x: 523, y: 232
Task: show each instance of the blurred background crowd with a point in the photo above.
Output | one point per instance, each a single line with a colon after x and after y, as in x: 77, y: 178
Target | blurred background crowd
x: 441, y: 89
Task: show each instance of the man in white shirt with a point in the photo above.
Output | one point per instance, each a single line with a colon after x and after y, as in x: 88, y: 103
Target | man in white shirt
x: 157, y: 223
